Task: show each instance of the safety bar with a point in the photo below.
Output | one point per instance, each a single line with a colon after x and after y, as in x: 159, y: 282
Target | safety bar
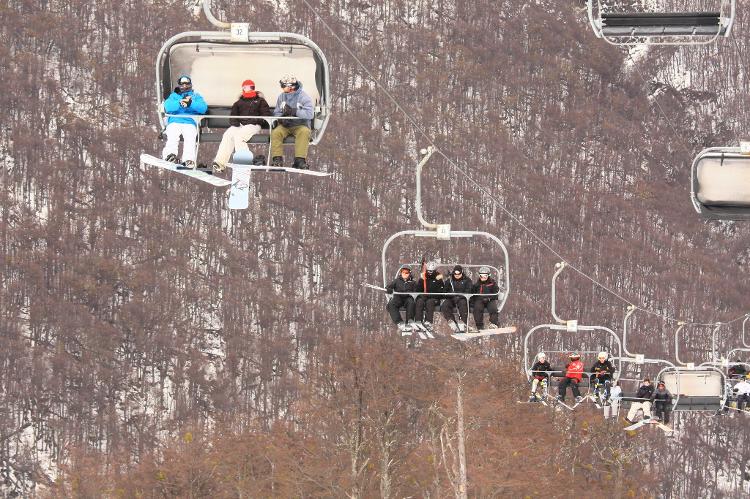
x: 629, y: 311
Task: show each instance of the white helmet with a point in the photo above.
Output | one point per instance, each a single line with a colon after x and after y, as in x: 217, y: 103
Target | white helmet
x: 602, y: 356
x: 431, y: 267
x: 541, y: 356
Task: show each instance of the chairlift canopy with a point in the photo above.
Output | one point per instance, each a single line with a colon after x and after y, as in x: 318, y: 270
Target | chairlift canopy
x: 720, y: 187
x: 672, y: 28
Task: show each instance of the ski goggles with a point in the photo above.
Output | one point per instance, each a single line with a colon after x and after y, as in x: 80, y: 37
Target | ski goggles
x: 248, y: 88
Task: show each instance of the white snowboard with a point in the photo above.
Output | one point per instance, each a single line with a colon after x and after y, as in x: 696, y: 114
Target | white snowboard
x: 147, y: 159
x: 239, y: 193
x: 483, y: 333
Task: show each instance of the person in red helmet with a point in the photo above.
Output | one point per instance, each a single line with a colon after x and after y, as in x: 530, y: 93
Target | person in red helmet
x: 250, y: 103
x: 573, y: 376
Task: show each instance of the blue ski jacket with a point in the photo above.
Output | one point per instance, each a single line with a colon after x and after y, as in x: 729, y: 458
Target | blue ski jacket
x: 299, y: 101
x: 172, y: 106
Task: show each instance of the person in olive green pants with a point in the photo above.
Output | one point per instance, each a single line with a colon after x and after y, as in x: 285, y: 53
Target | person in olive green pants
x: 297, y: 110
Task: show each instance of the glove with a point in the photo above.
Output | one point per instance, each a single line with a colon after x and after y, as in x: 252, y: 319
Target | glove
x: 185, y: 102
x: 289, y: 112
x: 389, y: 291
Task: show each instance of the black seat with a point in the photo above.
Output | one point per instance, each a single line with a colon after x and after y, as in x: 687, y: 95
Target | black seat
x: 661, y: 24
x: 687, y: 403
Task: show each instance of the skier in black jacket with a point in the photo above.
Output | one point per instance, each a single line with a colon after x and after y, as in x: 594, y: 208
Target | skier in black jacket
x: 601, y: 374
x: 662, y: 402
x: 432, y: 283
x: 404, y: 283
x: 644, y: 394
x: 485, y: 286
x: 540, y: 373
x: 458, y: 283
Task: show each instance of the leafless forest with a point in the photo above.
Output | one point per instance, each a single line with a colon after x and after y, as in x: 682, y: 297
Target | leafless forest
x: 154, y: 344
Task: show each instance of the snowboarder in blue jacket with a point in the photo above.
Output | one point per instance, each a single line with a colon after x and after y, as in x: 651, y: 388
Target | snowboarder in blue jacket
x: 181, y: 105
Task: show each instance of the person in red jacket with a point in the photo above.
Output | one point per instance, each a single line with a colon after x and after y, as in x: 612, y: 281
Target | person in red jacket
x: 573, y: 375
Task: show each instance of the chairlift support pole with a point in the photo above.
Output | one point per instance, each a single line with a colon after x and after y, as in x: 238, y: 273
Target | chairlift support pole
x: 629, y: 311
x: 744, y: 324
x: 418, y: 201
x: 211, y: 18
x: 560, y: 267
x: 680, y: 325
x: 714, y: 333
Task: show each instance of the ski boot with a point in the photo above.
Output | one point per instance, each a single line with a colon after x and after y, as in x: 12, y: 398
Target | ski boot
x: 462, y: 327
x: 428, y: 325
x: 172, y: 158
x: 190, y: 164
x: 259, y: 160
x: 404, y: 328
x: 277, y: 162
x: 217, y: 167
x: 300, y: 164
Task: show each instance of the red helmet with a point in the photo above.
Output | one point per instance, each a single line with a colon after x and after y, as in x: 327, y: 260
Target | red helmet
x: 248, y: 88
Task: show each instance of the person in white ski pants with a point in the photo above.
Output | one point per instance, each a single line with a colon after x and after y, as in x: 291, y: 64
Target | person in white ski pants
x: 613, y: 407
x: 189, y: 134
x: 644, y: 392
x: 250, y: 103
x: 181, y: 106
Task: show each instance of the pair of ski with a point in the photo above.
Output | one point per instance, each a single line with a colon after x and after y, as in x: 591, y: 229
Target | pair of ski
x: 651, y: 421
x: 241, y: 165
x: 422, y: 331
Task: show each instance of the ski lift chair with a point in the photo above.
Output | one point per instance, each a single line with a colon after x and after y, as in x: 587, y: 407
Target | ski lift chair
x: 415, y: 266
x: 606, y: 341
x: 720, y: 187
x: 503, y: 284
x: 219, y: 61
x: 664, y: 28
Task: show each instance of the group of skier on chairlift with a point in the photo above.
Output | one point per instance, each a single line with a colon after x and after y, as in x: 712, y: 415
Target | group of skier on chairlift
x: 605, y: 388
x: 433, y: 291
x: 184, y: 105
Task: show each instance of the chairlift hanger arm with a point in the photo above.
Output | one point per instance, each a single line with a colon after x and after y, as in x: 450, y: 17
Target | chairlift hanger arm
x: 744, y: 324
x: 630, y: 310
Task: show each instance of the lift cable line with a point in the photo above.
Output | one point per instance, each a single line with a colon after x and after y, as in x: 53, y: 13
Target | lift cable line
x: 421, y: 130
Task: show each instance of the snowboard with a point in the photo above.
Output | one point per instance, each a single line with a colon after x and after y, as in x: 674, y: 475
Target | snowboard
x: 484, y: 332
x: 239, y: 193
x: 202, y: 175
x: 245, y: 158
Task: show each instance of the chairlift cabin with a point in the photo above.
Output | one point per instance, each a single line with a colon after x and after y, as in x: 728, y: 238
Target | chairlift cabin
x: 625, y: 27
x: 443, y: 232
x: 559, y: 339
x: 219, y: 61
x: 720, y: 186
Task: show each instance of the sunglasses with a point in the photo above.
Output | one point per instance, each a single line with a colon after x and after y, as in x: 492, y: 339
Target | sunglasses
x: 184, y: 84
x: 484, y: 275
x: 457, y: 272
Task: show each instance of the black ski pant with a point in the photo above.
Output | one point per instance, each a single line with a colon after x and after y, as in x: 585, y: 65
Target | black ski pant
x: 396, y: 303
x: 573, y: 383
x: 425, y: 308
x: 662, y: 410
x: 450, y: 304
x: 482, y: 304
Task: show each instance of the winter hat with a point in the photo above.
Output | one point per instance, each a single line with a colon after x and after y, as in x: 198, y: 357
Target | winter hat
x: 405, y: 267
x: 484, y: 270
x: 184, y: 79
x: 458, y: 268
x: 248, y: 89
x: 431, y: 267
